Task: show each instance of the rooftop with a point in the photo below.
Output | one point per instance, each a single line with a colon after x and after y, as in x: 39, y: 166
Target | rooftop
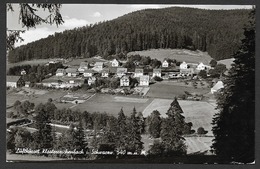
x: 12, y: 78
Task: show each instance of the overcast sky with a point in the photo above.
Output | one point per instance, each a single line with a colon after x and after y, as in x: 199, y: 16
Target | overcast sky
x: 77, y: 15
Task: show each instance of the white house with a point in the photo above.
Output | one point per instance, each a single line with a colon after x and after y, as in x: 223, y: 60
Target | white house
x: 105, y: 73
x: 201, y: 66
x: 120, y: 71
x: 124, y: 81
x: 23, y: 72
x: 157, y: 72
x: 115, y: 63
x: 144, y: 80
x: 72, y: 72
x: 139, y: 72
x: 60, y: 72
x: 88, y: 73
x: 219, y: 85
x: 165, y: 63
x: 183, y: 65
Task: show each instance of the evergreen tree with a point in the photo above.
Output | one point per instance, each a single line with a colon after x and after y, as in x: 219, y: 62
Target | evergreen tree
x: 172, y: 131
x: 122, y: 131
x: 155, y: 124
x: 134, y: 143
x: 234, y: 125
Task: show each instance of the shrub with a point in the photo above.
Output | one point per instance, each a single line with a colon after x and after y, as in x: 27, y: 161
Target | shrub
x: 201, y: 131
x: 156, y: 78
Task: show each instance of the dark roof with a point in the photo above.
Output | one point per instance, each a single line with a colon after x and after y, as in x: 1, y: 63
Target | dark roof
x: 106, y: 70
x: 12, y: 78
x: 121, y: 70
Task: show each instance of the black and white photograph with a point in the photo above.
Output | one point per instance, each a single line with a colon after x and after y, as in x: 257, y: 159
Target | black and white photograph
x: 130, y: 83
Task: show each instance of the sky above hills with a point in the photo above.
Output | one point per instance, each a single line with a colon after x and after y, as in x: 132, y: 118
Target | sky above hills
x: 78, y: 15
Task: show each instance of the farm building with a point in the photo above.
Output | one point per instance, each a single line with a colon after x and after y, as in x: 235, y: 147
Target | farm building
x: 187, y: 72
x: 105, y: 73
x: 144, y: 80
x: 14, y: 81
x: 62, y: 83
x: 219, y: 85
x: 183, y: 65
x: 157, y: 72
x: 124, y: 81
x: 60, y: 72
x: 139, y: 72
x: 165, y: 63
x: 27, y: 84
x: 115, y: 63
x: 88, y: 73
x: 83, y: 66
x: 72, y: 72
x: 121, y: 71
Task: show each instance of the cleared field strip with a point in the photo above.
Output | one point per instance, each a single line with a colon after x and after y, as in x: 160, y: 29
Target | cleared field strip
x: 128, y: 99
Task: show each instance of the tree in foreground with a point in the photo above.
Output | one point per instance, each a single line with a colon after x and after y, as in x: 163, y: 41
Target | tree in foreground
x: 172, y: 130
x: 234, y: 125
x: 155, y: 124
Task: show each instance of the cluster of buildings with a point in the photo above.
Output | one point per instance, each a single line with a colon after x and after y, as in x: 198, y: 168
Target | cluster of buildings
x: 77, y: 76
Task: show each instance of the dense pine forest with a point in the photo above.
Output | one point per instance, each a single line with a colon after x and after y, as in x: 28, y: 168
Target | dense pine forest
x: 219, y: 32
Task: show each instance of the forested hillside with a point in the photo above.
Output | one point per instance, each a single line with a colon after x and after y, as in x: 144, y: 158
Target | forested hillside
x: 216, y: 31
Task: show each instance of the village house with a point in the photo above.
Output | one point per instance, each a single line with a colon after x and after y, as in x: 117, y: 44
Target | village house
x: 121, y: 71
x: 115, y: 63
x: 88, y: 73
x: 23, y: 72
x: 27, y: 84
x: 124, y: 81
x: 91, y: 80
x: 98, y: 66
x: 83, y: 66
x: 183, y: 65
x: 157, y: 72
x: 62, y: 83
x: 105, y: 73
x: 165, y: 63
x: 72, y: 72
x: 201, y: 66
x: 187, y: 72
x: 144, y: 80
x: 14, y: 81
x: 60, y: 72
x: 139, y: 72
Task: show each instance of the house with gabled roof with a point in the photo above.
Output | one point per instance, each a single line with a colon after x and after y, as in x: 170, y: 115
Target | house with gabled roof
x: 157, y: 72
x: 139, y: 72
x: 23, y: 72
x: 165, y: 63
x: 121, y: 71
x: 60, y: 72
x: 98, y: 66
x: 183, y: 65
x: 72, y: 72
x: 14, y: 81
x: 144, y: 80
x: 124, y: 81
x: 201, y: 66
x: 219, y: 85
x: 115, y: 63
x: 91, y: 80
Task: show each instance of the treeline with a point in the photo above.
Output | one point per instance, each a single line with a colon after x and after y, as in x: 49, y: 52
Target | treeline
x: 120, y: 135
x: 216, y: 31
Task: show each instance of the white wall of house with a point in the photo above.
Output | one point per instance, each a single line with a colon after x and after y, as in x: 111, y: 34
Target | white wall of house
x: 165, y: 64
x: 183, y: 65
x: 87, y: 74
x: 138, y: 74
x: 158, y: 74
x: 11, y: 84
x: 115, y: 63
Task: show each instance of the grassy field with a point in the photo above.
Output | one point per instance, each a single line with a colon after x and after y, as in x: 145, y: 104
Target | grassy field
x: 198, y: 144
x: 112, y: 104
x: 170, y: 90
x: 197, y: 112
x: 28, y: 62
x: 227, y: 62
x: 178, y: 54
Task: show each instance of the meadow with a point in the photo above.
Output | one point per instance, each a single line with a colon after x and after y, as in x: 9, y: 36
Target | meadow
x: 178, y: 54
